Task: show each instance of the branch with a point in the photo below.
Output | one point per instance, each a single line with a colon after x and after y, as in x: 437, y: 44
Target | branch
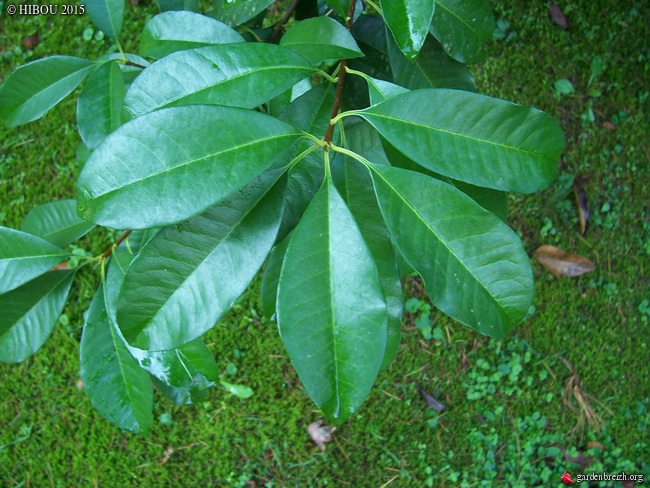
x: 284, y: 20
x: 119, y: 241
x: 329, y: 134
x: 131, y: 63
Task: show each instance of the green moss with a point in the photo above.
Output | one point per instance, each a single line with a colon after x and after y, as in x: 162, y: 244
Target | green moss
x: 504, y: 408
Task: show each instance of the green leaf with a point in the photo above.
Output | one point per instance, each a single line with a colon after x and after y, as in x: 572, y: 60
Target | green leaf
x: 108, y: 15
x: 34, y: 88
x: 563, y: 86
x: 191, y: 367
x: 472, y: 138
x: 236, y: 12
x: 370, y: 33
x: 356, y: 188
x: 99, y: 106
x: 171, y: 5
x: 409, y: 21
x: 181, y: 396
x: 380, y: 90
x: 462, y: 27
x: 474, y: 266
x: 431, y: 68
x: 341, y: 7
x: 311, y: 111
x: 174, y: 163
x: 237, y: 75
x: 271, y: 277
x: 197, y: 270
x: 363, y: 139
x: 330, y: 309
x: 29, y: 314
x: 320, y: 39
x: 117, y: 387
x: 493, y: 200
x: 303, y: 181
x: 240, y: 391
x: 177, y: 31
x: 129, y: 73
x: 24, y: 257
x: 56, y: 222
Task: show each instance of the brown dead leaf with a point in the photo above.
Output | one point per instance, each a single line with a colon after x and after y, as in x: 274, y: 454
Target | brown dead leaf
x: 592, y: 444
x: 558, y: 16
x: 61, y: 266
x: 609, y: 126
x: 79, y: 384
x: 30, y: 42
x: 562, y: 263
x: 432, y: 403
x: 583, y: 206
x: 168, y: 452
x: 319, y: 434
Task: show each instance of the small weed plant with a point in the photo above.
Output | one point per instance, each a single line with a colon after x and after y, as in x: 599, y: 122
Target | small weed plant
x: 337, y: 150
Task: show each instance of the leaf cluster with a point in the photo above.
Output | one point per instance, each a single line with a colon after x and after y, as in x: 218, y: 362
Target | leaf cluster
x: 350, y: 152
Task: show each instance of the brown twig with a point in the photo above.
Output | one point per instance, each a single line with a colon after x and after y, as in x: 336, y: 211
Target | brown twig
x: 329, y: 134
x: 283, y: 21
x: 119, y: 241
x: 131, y: 63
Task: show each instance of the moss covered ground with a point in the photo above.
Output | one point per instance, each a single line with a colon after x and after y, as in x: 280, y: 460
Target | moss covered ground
x: 569, y: 390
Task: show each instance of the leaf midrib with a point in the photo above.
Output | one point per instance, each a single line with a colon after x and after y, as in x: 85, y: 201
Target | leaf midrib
x: 448, y: 132
x: 192, y: 161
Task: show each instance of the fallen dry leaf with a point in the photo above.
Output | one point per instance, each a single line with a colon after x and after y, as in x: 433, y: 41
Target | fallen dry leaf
x: 562, y: 263
x: 558, y: 16
x: 30, y: 42
x: 609, y: 126
x: 432, y: 403
x: 583, y: 206
x: 319, y: 434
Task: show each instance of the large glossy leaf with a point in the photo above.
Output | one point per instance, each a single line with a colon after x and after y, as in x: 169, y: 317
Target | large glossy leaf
x: 474, y: 266
x: 357, y: 190
x: 117, y: 387
x: 171, y: 164
x: 99, y: 106
x: 108, y: 15
x: 303, y: 181
x: 331, y: 310
x: 237, y: 75
x: 472, y: 138
x: 431, y: 68
x: 172, y: 5
x: 409, y: 21
x: 235, y: 12
x: 176, y: 31
x: 341, y: 7
x: 463, y: 26
x: 190, y: 367
x: 495, y: 201
x: 271, y: 277
x: 34, y: 88
x: 319, y: 39
x: 24, y: 256
x: 56, y: 222
x: 311, y: 111
x: 189, y: 275
x: 29, y: 314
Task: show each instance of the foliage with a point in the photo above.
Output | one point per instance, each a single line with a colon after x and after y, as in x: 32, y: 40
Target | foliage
x: 226, y: 152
